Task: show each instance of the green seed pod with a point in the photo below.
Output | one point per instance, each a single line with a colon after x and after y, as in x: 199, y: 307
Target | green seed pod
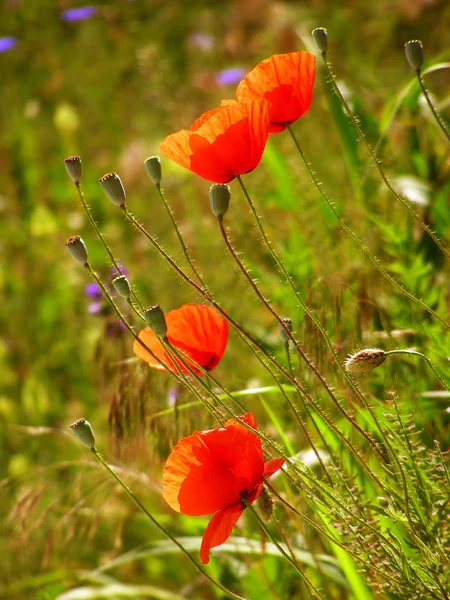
x: 219, y: 199
x: 153, y: 167
x: 282, y: 332
x: 365, y: 361
x: 320, y: 38
x: 414, y: 54
x: 83, y: 432
x: 112, y: 185
x: 77, y: 249
x: 122, y: 286
x: 73, y: 167
x: 156, y: 320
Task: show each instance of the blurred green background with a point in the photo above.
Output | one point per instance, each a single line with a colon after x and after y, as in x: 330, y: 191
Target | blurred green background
x: 110, y: 86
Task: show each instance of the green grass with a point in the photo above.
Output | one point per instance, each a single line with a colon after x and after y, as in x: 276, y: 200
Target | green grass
x: 110, y: 89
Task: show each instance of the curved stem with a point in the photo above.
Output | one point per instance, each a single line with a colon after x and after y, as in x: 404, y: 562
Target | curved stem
x: 245, y: 334
x: 305, y: 406
x: 177, y: 231
x: 283, y: 324
x: 428, y: 361
x: 158, y: 525
x: 435, y: 113
x: 309, y: 585
x: 102, y: 239
x: 360, y: 243
x: 386, y: 182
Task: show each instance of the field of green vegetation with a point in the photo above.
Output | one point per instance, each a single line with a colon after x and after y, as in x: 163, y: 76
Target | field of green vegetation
x: 336, y: 245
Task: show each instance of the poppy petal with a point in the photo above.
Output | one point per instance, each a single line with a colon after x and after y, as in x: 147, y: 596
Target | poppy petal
x: 198, y: 331
x: 223, y: 143
x: 209, y: 470
x: 272, y: 466
x: 219, y: 529
x: 287, y: 81
x: 176, y: 147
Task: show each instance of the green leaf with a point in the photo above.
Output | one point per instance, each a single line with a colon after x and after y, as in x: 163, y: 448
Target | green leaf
x: 327, y: 564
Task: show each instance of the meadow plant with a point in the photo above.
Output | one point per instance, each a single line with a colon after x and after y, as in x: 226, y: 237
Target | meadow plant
x: 347, y: 490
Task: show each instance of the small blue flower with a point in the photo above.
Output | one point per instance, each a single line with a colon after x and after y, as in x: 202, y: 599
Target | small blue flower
x: 7, y: 43
x: 230, y: 76
x: 78, y: 14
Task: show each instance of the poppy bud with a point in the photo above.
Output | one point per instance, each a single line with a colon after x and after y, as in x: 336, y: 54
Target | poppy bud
x: 282, y: 332
x: 121, y: 286
x: 83, y: 432
x: 320, y: 38
x: 219, y: 199
x: 73, y: 167
x: 77, y: 249
x: 414, y: 54
x: 156, y: 320
x: 365, y: 360
x: 112, y: 185
x: 153, y: 166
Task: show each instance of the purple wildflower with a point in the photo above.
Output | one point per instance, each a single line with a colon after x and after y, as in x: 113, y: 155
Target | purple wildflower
x: 7, y: 43
x: 201, y: 40
x: 95, y: 308
x: 78, y: 14
x: 230, y: 76
x: 172, y: 396
x: 93, y: 290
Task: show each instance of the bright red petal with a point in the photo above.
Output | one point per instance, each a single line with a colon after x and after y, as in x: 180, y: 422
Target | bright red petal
x: 231, y: 142
x: 198, y: 331
x: 219, y: 529
x: 209, y: 470
x: 272, y: 466
x: 287, y: 81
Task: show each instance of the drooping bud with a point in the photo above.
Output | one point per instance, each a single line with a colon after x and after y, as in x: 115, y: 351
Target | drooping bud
x: 365, y: 361
x: 282, y: 332
x: 320, y: 38
x: 156, y: 320
x: 73, y: 167
x: 122, y: 286
x: 112, y: 185
x: 77, y: 249
x: 219, y: 199
x: 83, y: 432
x: 153, y: 167
x: 414, y: 54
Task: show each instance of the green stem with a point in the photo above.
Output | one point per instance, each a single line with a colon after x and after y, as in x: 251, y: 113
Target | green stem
x: 428, y: 361
x: 305, y: 407
x: 245, y: 334
x: 177, y: 231
x: 162, y: 529
x: 309, y: 585
x: 435, y: 113
x: 386, y: 182
x: 280, y: 265
x: 360, y: 243
x: 102, y: 239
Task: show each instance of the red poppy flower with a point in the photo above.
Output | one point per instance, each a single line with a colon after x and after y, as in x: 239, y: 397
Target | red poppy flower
x: 287, y: 81
x: 211, y: 471
x: 197, y: 330
x: 223, y: 143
